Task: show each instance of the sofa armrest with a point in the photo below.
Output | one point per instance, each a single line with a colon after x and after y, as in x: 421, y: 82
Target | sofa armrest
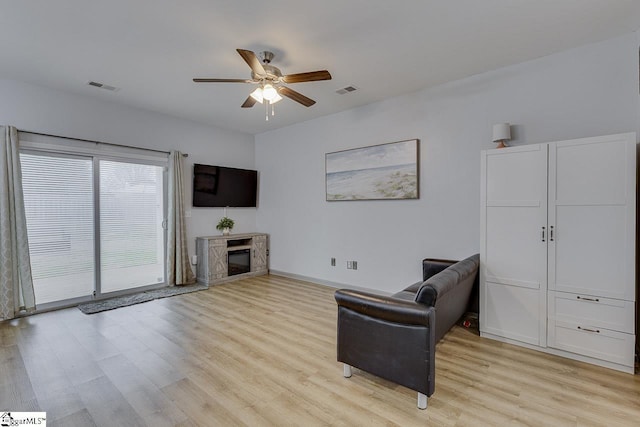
x: 384, y: 307
x: 448, y: 279
x: 433, y: 266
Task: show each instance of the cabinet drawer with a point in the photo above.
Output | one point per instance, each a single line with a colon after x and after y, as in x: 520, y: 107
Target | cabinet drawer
x: 612, y: 314
x: 593, y: 341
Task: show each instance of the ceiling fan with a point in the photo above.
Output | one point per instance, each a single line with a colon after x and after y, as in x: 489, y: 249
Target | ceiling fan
x: 271, y: 81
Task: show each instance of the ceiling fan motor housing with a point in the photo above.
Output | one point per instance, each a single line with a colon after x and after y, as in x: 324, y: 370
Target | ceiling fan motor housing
x: 273, y: 74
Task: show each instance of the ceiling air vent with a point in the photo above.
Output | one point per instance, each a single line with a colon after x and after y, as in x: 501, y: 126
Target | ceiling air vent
x: 346, y: 90
x: 103, y: 86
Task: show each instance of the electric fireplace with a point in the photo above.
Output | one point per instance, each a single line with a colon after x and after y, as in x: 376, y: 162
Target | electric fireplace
x: 239, y: 262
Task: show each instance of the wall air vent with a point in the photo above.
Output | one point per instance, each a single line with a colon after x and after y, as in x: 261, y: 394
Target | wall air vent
x: 103, y: 86
x: 347, y: 89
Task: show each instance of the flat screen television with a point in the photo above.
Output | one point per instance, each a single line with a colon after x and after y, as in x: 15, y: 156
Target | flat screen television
x: 219, y: 186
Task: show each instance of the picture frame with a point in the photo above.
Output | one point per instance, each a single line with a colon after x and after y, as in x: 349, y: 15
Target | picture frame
x: 387, y: 171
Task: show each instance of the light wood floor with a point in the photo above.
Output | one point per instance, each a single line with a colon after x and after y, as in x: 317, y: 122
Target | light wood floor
x: 261, y: 351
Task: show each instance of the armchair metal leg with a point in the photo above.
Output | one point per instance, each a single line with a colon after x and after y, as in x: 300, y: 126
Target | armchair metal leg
x: 422, y: 401
x: 347, y: 370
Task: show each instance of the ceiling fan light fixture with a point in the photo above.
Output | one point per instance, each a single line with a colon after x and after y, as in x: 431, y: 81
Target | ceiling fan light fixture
x: 269, y: 92
x: 257, y: 95
x: 276, y: 98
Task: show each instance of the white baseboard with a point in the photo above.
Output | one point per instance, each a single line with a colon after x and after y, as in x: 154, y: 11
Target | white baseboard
x: 308, y: 279
x: 327, y: 283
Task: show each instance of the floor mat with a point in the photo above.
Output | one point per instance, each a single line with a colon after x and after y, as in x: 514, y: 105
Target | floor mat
x: 126, y: 300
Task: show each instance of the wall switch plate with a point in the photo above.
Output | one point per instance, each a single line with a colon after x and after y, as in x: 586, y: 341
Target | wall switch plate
x: 187, y: 214
x: 194, y: 259
x: 354, y: 265
x: 333, y: 262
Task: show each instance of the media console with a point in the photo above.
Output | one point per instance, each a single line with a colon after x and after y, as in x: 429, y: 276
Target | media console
x: 225, y: 258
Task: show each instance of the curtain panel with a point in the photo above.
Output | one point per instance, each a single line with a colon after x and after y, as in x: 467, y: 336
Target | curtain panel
x: 179, y: 270
x: 16, y: 284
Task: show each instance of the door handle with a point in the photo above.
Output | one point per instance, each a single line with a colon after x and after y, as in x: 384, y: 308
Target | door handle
x: 551, y: 233
x: 543, y: 239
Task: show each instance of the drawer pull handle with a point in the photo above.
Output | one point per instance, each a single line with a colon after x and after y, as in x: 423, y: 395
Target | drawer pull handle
x: 588, y: 299
x: 589, y: 330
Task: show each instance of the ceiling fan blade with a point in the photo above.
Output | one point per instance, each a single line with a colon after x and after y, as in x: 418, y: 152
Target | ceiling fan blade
x: 253, y: 61
x: 249, y: 102
x: 311, y: 76
x: 296, y: 96
x: 222, y: 81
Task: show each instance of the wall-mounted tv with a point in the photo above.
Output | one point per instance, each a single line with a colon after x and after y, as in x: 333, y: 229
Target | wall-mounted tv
x: 218, y: 186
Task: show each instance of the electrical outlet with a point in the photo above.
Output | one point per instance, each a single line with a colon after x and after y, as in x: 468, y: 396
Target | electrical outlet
x: 194, y: 259
x: 354, y: 265
x: 349, y: 265
x: 333, y: 262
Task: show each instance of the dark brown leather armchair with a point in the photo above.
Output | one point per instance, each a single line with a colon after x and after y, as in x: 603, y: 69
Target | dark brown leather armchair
x: 394, y: 337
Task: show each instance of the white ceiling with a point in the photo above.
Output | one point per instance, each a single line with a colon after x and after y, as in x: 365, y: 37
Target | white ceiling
x: 151, y: 49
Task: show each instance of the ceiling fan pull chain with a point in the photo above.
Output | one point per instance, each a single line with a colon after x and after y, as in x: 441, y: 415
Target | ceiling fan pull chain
x: 266, y: 110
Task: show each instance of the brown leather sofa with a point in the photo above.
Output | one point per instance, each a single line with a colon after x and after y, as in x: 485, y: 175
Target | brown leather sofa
x: 394, y: 337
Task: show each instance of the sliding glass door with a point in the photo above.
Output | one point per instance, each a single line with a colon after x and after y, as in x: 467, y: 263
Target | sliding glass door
x: 58, y: 198
x: 131, y: 218
x: 95, y: 225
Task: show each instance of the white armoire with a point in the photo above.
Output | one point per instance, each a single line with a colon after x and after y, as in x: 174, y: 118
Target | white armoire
x: 557, y: 250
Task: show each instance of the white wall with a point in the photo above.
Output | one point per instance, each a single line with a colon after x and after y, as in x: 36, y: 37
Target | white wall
x: 37, y: 109
x: 592, y: 90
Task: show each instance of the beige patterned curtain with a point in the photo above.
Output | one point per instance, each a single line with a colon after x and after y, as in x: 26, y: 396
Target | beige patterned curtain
x: 178, y: 268
x: 16, y: 284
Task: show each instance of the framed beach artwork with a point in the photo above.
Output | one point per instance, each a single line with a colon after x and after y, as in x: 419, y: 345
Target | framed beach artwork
x: 378, y: 172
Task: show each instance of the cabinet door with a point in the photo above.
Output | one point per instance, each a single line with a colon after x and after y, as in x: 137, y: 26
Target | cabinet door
x: 218, y: 262
x: 202, y: 267
x: 259, y: 253
x: 513, y: 258
x: 592, y: 213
